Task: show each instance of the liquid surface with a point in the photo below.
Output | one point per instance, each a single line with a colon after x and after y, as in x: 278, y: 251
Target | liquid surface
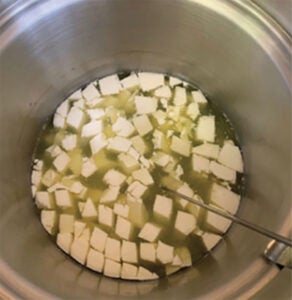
x: 101, y: 160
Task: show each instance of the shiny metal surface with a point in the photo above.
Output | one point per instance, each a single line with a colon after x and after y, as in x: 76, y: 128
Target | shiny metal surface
x: 279, y: 253
x: 228, y: 48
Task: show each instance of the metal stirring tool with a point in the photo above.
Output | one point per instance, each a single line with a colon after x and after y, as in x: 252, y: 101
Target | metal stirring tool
x: 281, y: 249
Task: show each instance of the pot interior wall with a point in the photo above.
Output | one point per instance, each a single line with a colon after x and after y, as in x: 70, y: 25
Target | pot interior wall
x: 55, y: 46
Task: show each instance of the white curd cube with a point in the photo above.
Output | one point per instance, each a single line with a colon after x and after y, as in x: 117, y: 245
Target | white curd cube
x: 142, y: 124
x: 110, y: 195
x: 230, y: 156
x: 158, y: 138
x: 129, y: 271
x: 90, y: 92
x: 64, y: 241
x: 79, y: 249
x: 106, y: 215
x: 69, y: 142
x: 150, y: 81
x: 136, y: 189
x: 63, y: 109
x: 163, y: 207
x: 112, y: 268
x: 61, y: 161
x: 138, y: 213
x: 186, y: 191
x: 129, y: 252
x: 174, y: 81
x: 75, y: 117
x: 185, y: 223
x: 161, y: 159
x: 185, y: 256
x: 89, y: 210
x: 43, y: 200
x: 110, y: 85
x: 217, y: 221
x: 148, y: 252
x: 66, y: 223
x: 76, y: 95
x: 163, y: 92
x: 124, y: 228
x: 121, y: 209
x: 206, y: 128
x: 58, y: 121
x: 92, y: 128
x: 180, y: 146
x: 49, y: 220
x: 130, y: 81
x: 98, y: 239
x: 119, y: 144
x: 95, y: 113
x: 210, y: 240
x: 128, y: 160
x: 199, y: 97
x: 114, y: 177
x: 112, y: 249
x: 224, y: 198
x: 145, y: 105
x: 95, y: 260
x: 144, y: 274
x: 123, y: 127
x: 160, y: 116
x: 208, y: 150
x: 143, y: 176
x: 223, y: 172
x: 139, y: 144
x: 88, y: 167
x: 79, y: 227
x: 200, y: 164
x: 98, y: 143
x: 63, y: 198
x: 180, y: 96
x: 193, y: 111
x: 150, y: 232
x: 165, y: 253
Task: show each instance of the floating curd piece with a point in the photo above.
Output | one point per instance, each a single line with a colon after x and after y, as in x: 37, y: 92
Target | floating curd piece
x: 66, y: 223
x: 173, y: 112
x: 79, y: 249
x: 224, y: 198
x: 43, y: 200
x: 128, y: 161
x: 143, y: 176
x: 123, y: 127
x: 139, y: 144
x: 163, y: 207
x: 110, y: 85
x: 119, y: 144
x: 165, y: 253
x: 200, y: 164
x: 138, y: 213
x: 110, y: 195
x: 142, y: 124
x: 112, y: 268
x: 230, y: 156
x: 48, y: 178
x: 157, y: 139
x: 186, y: 191
x: 161, y: 159
x: 129, y: 252
x: 92, y: 128
x: 76, y: 95
x: 79, y: 227
x: 148, y: 252
x: 193, y: 111
x: 64, y: 241
x: 95, y: 260
x: 185, y: 223
x: 145, y: 105
x: 217, y: 221
x: 180, y: 146
x: 206, y: 128
x: 98, y: 143
x: 75, y: 117
x: 134, y: 153
x: 150, y: 81
x: 144, y: 274
x: 171, y: 269
x: 90, y: 92
x: 89, y: 210
x: 79, y: 103
x: 185, y: 256
x: 124, y: 228
x: 54, y: 150
x: 113, y: 249
x: 150, y: 232
x: 58, y: 121
x: 137, y: 189
x: 63, y: 109
x: 106, y: 215
x: 163, y: 92
x: 199, y: 97
x: 77, y: 188
x: 174, y: 81
x: 63, y: 198
x: 180, y: 96
x: 129, y: 271
x: 49, y: 220
x: 88, y: 167
x: 130, y: 81
x: 69, y: 142
x: 210, y: 240
x: 160, y: 116
x: 98, y: 239
x: 176, y: 261
x: 61, y: 161
x: 222, y: 172
x: 208, y: 150
x: 114, y: 177
x: 121, y: 209
x: 96, y: 113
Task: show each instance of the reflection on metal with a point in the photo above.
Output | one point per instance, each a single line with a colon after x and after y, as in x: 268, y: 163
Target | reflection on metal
x: 279, y: 253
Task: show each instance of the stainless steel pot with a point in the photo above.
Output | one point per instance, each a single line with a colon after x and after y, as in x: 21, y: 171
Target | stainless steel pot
x: 231, y: 49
